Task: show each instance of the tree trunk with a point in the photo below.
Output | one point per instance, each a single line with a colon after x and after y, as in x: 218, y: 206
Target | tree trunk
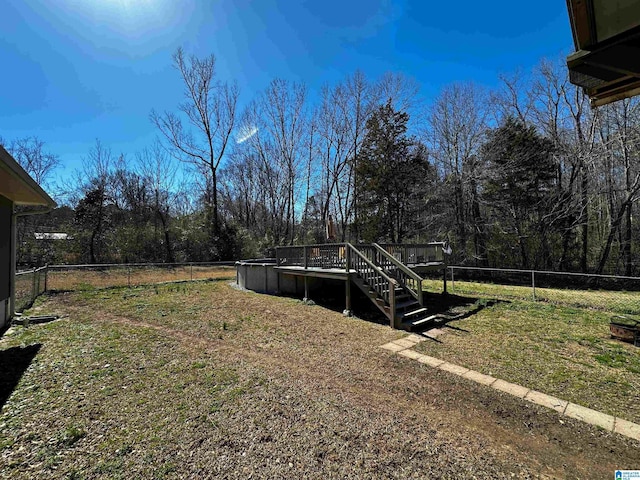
x: 584, y: 212
x: 615, y: 225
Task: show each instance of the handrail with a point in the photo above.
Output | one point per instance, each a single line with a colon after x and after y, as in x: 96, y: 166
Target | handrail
x: 372, y: 265
x: 312, y: 245
x: 427, y: 244
x: 417, y: 253
x: 398, y: 263
x: 406, y: 270
x: 389, y: 296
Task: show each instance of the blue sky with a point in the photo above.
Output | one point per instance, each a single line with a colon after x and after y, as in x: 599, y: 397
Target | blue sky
x: 77, y: 70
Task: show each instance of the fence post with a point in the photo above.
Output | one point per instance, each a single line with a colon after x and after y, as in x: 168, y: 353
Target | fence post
x: 453, y: 282
x: 191, y: 269
x: 46, y: 277
x: 533, y: 284
x: 129, y: 275
x: 33, y: 286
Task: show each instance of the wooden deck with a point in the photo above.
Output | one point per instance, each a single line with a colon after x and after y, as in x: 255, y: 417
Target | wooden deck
x: 333, y: 273
x: 389, y: 274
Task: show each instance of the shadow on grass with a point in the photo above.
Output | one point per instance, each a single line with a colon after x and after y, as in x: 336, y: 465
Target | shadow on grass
x: 445, y: 308
x: 14, y: 361
x: 453, y: 308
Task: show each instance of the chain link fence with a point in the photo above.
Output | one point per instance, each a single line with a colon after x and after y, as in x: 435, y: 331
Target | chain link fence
x: 616, y: 294
x: 31, y: 283
x: 77, y: 277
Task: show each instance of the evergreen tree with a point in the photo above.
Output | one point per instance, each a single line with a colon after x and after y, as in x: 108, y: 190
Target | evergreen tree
x: 519, y: 189
x: 390, y: 177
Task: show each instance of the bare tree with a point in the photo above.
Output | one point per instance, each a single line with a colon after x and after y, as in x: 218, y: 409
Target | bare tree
x: 210, y: 113
x: 159, y: 175
x: 457, y: 124
x: 31, y: 154
x: 621, y: 140
x: 513, y: 98
x: 92, y: 216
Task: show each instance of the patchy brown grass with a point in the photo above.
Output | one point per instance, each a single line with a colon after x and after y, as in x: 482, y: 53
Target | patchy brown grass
x: 199, y: 380
x: 562, y: 351
x: 87, y: 278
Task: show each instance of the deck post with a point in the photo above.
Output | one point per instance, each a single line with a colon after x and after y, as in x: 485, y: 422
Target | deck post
x: 306, y: 289
x: 444, y: 277
x: 347, y: 256
x: 453, y: 281
x: 347, y: 302
x: 277, y: 272
x: 306, y: 256
x: 392, y: 303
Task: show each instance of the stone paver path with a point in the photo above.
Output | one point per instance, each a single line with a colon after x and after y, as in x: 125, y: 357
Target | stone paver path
x: 618, y: 425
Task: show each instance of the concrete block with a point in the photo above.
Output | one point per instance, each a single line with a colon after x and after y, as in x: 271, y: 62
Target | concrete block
x: 450, y: 367
x: 546, y: 401
x: 415, y: 338
x: 479, y: 377
x: 510, y: 388
x: 590, y: 416
x: 403, y: 342
x: 431, y: 361
x: 410, y: 354
x: 626, y: 428
x: 392, y: 347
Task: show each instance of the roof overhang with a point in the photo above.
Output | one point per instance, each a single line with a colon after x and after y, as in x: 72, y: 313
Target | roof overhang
x: 18, y: 186
x: 606, y: 35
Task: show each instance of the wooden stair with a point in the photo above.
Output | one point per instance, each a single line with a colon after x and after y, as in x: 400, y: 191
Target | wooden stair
x: 402, y: 308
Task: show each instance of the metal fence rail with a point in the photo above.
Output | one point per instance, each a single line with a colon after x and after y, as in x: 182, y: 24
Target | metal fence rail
x: 611, y: 293
x: 31, y: 283
x: 616, y: 294
x: 74, y: 277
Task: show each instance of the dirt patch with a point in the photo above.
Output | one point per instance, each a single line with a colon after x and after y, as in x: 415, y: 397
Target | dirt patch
x: 564, y: 352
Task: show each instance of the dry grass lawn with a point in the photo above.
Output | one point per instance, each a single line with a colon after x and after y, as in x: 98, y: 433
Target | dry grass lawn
x: 200, y: 380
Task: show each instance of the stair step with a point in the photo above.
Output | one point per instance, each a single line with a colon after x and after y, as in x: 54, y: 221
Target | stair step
x: 424, y: 320
x: 412, y: 313
x: 411, y: 325
x: 407, y: 304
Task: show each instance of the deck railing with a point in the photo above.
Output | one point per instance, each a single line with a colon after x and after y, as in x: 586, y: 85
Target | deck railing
x: 405, y: 276
x: 374, y: 277
x: 416, y: 253
x: 328, y: 255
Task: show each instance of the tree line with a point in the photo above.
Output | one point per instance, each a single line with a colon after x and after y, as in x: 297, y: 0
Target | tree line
x: 525, y: 175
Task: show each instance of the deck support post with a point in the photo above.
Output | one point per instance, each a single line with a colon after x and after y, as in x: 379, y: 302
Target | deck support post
x: 392, y: 303
x: 444, y: 278
x: 306, y: 289
x: 347, y: 301
x: 277, y: 272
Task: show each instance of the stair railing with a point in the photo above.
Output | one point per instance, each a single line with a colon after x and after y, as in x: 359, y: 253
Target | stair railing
x: 405, y: 276
x: 376, y: 278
